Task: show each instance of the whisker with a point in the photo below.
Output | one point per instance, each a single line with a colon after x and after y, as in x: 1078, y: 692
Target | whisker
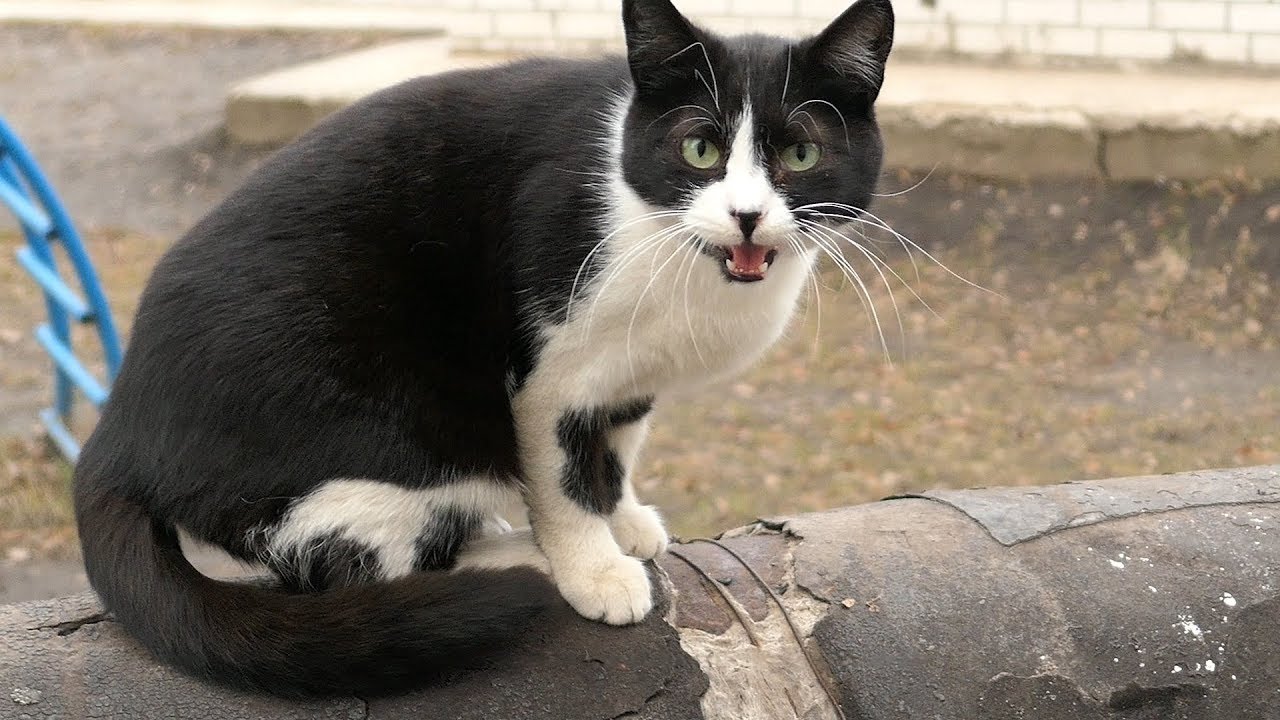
x: 601, y: 244
x: 922, y: 181
x: 885, y: 226
x: 715, y: 93
x: 864, y: 294
x: 875, y: 258
x: 839, y: 114
x: 694, y: 251
x: 876, y: 263
x: 651, y: 242
x: 811, y: 274
x: 871, y: 258
x: 786, y: 82
x: 653, y: 276
x: 687, y: 106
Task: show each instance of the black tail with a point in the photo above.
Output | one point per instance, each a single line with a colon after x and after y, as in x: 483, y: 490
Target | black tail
x: 372, y: 639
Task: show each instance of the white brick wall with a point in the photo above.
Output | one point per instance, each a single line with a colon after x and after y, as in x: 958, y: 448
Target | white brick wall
x: 1235, y: 31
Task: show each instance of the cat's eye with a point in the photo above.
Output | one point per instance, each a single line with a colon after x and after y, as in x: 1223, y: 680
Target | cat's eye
x: 700, y: 152
x: 801, y: 156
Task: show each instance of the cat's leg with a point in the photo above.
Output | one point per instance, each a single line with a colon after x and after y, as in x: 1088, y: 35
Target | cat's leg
x: 573, y: 485
x: 637, y: 528
x: 353, y: 531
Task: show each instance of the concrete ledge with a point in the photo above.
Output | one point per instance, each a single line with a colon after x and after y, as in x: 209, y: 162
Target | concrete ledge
x: 1175, y: 149
x: 228, y: 15
x: 1152, y: 597
x: 277, y: 107
x: 985, y: 120
x: 992, y: 142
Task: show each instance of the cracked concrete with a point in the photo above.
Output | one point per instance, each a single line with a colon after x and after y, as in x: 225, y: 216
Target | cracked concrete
x: 1161, y: 601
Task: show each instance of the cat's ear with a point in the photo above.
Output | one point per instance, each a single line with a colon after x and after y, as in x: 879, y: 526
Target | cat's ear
x: 660, y: 44
x: 856, y: 45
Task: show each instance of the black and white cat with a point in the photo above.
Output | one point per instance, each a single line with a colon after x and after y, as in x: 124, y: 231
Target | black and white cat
x: 461, y: 291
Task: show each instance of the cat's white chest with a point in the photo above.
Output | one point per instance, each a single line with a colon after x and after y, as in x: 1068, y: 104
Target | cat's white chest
x: 666, y: 318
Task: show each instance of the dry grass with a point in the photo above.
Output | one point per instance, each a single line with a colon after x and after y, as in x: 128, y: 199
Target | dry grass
x: 1135, y: 330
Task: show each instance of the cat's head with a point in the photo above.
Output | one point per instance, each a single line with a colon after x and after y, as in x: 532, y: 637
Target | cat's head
x: 748, y: 139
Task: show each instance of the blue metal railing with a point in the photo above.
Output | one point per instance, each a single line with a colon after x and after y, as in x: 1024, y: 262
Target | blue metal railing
x: 28, y: 195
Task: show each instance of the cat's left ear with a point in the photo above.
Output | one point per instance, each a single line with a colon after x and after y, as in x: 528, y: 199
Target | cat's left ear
x: 856, y: 45
x: 660, y: 43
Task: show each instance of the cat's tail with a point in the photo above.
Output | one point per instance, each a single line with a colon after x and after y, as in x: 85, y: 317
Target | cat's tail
x: 370, y: 639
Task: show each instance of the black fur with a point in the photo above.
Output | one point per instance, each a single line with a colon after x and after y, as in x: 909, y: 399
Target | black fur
x: 634, y: 411
x: 362, y: 307
x: 672, y: 72
x: 335, y: 562
x: 439, y: 543
x: 373, y: 638
x: 593, y: 477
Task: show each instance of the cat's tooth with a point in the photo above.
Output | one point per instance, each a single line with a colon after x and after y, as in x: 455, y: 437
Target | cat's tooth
x: 763, y: 267
x: 728, y: 262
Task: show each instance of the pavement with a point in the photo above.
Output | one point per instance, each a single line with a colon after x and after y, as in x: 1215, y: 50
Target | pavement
x: 1009, y: 119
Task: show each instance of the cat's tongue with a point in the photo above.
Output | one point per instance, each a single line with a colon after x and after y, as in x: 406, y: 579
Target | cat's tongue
x: 748, y: 261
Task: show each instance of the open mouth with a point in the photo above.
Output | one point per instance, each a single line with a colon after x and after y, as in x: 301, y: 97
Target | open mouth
x: 744, y: 262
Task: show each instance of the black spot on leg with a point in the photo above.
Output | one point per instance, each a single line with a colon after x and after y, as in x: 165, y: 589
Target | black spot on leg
x: 630, y: 412
x: 592, y: 473
x: 438, y: 545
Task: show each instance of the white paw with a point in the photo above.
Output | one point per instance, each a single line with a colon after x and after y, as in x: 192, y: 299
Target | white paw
x: 638, y: 531
x: 613, y: 589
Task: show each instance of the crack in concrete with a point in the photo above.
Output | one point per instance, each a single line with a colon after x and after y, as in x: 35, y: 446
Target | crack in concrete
x: 1072, y: 522
x: 645, y: 703
x: 70, y: 626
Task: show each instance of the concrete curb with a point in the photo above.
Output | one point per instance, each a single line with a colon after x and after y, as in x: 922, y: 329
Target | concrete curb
x: 222, y: 15
x: 1150, y: 597
x: 275, y: 108
x: 982, y: 120
x: 996, y: 119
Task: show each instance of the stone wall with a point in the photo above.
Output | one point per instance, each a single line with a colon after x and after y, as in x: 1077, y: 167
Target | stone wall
x: 1233, y: 31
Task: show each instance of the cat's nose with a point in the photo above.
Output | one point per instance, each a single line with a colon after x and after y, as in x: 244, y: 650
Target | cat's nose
x: 747, y: 220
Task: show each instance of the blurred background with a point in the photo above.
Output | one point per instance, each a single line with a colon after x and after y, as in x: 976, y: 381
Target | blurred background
x: 1080, y: 279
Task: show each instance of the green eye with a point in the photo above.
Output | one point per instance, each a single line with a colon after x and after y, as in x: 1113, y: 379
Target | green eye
x: 801, y: 156
x: 699, y: 152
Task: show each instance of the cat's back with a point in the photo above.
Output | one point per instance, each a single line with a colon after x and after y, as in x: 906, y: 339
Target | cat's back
x: 397, y: 206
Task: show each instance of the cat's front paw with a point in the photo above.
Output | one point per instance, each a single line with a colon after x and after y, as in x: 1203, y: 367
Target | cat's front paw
x: 638, y: 531
x: 613, y: 589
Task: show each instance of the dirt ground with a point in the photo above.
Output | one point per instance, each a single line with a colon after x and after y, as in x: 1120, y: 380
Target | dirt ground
x: 1122, y: 329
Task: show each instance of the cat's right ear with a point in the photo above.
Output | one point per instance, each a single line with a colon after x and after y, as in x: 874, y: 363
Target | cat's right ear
x: 662, y: 46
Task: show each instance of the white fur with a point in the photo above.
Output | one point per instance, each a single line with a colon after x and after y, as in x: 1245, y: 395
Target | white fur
x: 385, y: 517
x: 658, y: 315
x: 502, y: 551
x: 663, y: 316
x: 653, y: 318
x: 745, y: 188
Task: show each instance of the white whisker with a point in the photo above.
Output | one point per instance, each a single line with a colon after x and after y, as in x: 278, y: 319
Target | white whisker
x: 838, y: 114
x: 852, y: 275
x: 601, y: 244
x: 714, y: 88
x: 885, y: 226
x: 922, y: 181
x: 653, y: 276
x: 876, y: 263
x: 786, y: 82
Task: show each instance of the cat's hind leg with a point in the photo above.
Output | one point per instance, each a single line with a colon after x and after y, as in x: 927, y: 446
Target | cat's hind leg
x: 353, y: 531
